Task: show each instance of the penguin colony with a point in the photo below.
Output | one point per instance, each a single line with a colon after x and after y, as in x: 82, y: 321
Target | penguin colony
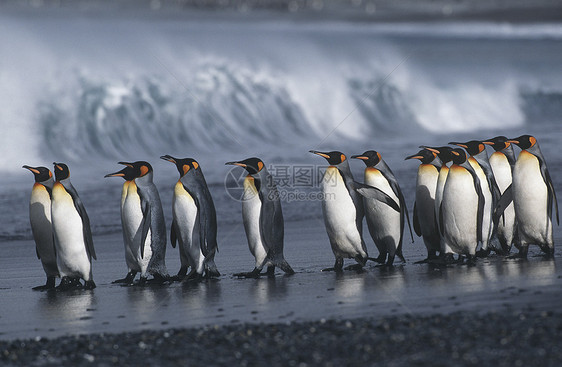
x: 466, y: 203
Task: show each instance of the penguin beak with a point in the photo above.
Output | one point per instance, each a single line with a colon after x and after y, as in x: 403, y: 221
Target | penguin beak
x: 126, y: 164
x: 168, y: 158
x: 415, y: 156
x: 458, y: 144
x: 57, y: 166
x: 31, y: 169
x: 362, y: 157
x: 321, y: 154
x: 488, y: 142
x: 235, y: 164
x: 513, y: 141
x: 116, y: 174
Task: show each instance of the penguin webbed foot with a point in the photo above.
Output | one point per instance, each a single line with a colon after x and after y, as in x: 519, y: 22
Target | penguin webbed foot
x: 180, y: 275
x: 338, y: 266
x: 381, y: 259
x: 252, y: 274
x: 129, y: 278
x: 89, y: 284
x: 193, y: 277
x: 68, y: 283
x: 49, y: 285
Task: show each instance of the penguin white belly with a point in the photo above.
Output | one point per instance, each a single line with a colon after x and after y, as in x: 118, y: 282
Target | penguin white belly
x: 129, y: 257
x: 530, y: 199
x: 251, y: 208
x: 502, y: 173
x: 72, y: 258
x: 487, y: 217
x: 460, y: 211
x: 441, y: 179
x: 426, y: 185
x: 383, y: 221
x: 185, y: 215
x: 132, y: 216
x: 41, y: 226
x: 339, y: 216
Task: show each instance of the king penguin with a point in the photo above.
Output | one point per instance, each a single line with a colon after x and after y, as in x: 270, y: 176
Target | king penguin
x: 479, y: 161
x: 73, y: 237
x: 533, y: 196
x: 263, y: 218
x: 41, y: 226
x: 502, y: 162
x: 194, y: 223
x: 386, y: 226
x: 461, y: 212
x: 343, y: 210
x: 424, y: 217
x: 145, y: 224
x: 128, y: 174
x: 445, y: 155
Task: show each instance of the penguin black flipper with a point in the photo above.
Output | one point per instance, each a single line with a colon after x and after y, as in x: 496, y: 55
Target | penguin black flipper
x: 87, y: 232
x: 146, y: 219
x: 551, y: 192
x: 480, y: 213
x: 271, y: 225
x: 387, y: 173
x: 503, y: 203
x: 173, y: 234
x: 417, y: 227
x: 374, y: 193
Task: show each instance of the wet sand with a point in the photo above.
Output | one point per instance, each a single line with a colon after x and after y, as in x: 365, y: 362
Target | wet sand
x: 498, y: 285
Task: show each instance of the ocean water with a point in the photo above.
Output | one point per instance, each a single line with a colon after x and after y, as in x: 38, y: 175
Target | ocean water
x: 94, y: 90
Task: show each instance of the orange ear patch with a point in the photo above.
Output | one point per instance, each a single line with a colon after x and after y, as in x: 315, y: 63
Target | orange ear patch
x: 379, y: 155
x: 260, y: 166
x: 143, y: 170
x: 342, y: 157
x: 195, y: 165
x: 532, y: 140
x: 50, y: 174
x: 186, y: 168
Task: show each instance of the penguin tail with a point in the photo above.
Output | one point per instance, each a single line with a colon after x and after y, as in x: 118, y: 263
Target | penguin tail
x: 284, y: 265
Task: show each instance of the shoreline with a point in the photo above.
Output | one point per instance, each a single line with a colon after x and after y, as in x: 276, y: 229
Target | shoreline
x: 461, y: 338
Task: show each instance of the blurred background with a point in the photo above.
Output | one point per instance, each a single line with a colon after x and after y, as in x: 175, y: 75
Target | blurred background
x: 91, y: 83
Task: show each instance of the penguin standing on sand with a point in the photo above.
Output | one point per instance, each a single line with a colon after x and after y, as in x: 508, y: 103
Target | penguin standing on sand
x: 342, y: 208
x: 41, y: 226
x: 445, y: 155
x: 263, y: 218
x: 194, y: 223
x: 128, y: 174
x: 533, y: 196
x: 479, y: 161
x: 460, y: 216
x: 424, y: 217
x: 73, y: 237
x: 144, y: 223
x: 502, y: 162
x: 386, y: 226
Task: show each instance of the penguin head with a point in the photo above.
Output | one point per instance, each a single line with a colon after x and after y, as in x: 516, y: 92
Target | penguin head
x: 61, y: 171
x: 458, y: 156
x: 499, y: 143
x: 444, y: 153
x: 184, y: 165
x: 334, y: 157
x: 524, y: 141
x: 473, y: 147
x: 128, y: 174
x: 371, y: 158
x: 41, y: 174
x: 425, y: 156
x: 140, y: 168
x: 252, y: 165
